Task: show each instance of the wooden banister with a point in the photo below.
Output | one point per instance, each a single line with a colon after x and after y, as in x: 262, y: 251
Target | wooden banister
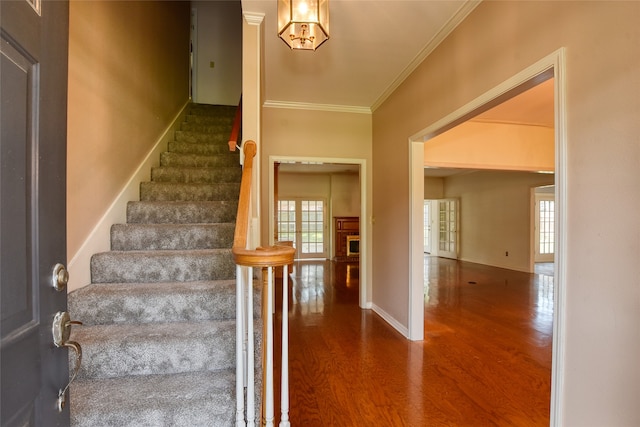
x: 275, y: 256
x: 245, y: 259
x: 235, y: 131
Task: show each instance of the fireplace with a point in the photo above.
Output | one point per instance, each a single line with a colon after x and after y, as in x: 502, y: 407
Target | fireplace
x: 353, y: 245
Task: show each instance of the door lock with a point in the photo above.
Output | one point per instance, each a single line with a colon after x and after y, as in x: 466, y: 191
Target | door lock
x: 61, y: 331
x: 60, y: 277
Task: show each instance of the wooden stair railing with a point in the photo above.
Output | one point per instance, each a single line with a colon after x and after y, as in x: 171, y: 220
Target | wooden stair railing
x: 245, y: 259
x: 235, y: 131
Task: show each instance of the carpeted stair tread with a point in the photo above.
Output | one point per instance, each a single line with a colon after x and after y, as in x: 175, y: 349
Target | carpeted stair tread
x: 118, y: 303
x: 203, y: 137
x: 193, y: 399
x: 146, y: 237
x: 198, y: 160
x: 162, y: 266
x: 164, y: 212
x: 155, y: 348
x: 160, y: 191
x: 196, y: 175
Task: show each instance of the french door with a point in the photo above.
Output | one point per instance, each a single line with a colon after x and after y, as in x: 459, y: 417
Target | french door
x: 427, y: 226
x: 303, y: 221
x: 448, y: 228
x: 545, y: 234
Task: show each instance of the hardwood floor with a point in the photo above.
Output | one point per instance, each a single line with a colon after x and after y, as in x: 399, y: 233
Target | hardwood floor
x: 485, y: 360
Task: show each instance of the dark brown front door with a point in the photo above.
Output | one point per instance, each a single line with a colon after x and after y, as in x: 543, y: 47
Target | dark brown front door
x: 33, y: 75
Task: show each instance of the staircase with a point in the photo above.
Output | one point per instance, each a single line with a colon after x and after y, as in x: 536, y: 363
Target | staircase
x: 158, y: 337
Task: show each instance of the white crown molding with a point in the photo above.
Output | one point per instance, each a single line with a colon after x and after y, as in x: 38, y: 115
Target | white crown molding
x: 316, y: 107
x: 253, y: 18
x: 442, y: 34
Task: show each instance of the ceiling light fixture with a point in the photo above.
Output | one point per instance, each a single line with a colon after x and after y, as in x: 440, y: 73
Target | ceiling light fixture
x: 303, y: 24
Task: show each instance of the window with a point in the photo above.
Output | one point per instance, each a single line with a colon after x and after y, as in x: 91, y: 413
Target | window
x: 287, y: 220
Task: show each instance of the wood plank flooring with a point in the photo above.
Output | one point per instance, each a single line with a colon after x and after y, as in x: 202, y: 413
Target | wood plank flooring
x: 485, y: 360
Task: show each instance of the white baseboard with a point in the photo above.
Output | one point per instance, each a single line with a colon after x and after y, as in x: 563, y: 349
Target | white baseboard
x: 99, y: 238
x: 499, y: 265
x: 391, y: 320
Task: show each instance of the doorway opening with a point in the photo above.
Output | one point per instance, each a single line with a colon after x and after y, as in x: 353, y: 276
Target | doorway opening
x: 551, y: 66
x: 313, y: 167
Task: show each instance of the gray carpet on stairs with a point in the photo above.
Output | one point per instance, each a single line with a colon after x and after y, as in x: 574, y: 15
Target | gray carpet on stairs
x: 159, y: 316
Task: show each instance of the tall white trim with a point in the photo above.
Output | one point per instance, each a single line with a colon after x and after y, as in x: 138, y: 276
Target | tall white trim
x: 415, y: 326
x: 560, y: 292
x: 555, y: 63
x: 252, y: 74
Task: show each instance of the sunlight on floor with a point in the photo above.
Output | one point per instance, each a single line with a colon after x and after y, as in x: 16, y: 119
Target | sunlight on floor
x: 308, y: 287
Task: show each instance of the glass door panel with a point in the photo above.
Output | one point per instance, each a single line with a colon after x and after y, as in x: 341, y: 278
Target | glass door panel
x: 448, y: 228
x: 303, y: 223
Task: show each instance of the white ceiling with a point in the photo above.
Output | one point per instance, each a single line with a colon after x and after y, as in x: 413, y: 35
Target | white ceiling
x: 373, y: 46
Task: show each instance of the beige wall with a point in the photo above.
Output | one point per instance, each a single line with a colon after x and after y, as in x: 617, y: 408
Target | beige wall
x: 502, y: 146
x: 341, y: 190
x: 312, y: 134
x: 345, y: 195
x: 320, y: 134
x: 495, y: 216
x: 128, y: 78
x: 219, y: 40
x: 293, y: 185
x: 600, y: 384
x: 433, y: 188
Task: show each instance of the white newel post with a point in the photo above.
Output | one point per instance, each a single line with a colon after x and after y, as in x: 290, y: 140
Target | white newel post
x: 240, y: 372
x: 251, y: 372
x: 284, y: 397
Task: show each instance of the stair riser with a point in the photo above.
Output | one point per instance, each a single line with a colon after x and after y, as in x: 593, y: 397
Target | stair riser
x: 198, y: 161
x: 196, y: 175
x: 205, y: 148
x: 138, y: 303
x: 160, y: 191
x: 170, y: 353
x: 135, y: 237
x: 159, y: 266
x: 207, y: 127
x: 181, y: 212
x: 199, y: 399
x: 226, y: 119
x: 212, y: 111
x: 199, y: 414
